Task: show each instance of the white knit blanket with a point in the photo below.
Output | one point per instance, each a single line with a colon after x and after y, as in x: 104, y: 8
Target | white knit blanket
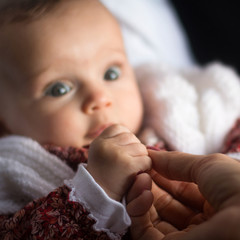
x: 191, y: 110
x: 27, y: 172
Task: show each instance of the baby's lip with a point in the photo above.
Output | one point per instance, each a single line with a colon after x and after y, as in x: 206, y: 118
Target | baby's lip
x: 98, y: 130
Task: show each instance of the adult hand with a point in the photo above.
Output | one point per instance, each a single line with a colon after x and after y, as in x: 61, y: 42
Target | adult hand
x: 182, y: 209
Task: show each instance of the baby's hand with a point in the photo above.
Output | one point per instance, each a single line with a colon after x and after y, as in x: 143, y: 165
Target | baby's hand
x: 115, y: 158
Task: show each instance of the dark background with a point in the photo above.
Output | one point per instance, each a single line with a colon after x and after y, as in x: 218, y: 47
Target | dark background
x: 213, y: 28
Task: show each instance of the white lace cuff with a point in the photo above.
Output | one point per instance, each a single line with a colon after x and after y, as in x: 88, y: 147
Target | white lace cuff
x: 110, y: 215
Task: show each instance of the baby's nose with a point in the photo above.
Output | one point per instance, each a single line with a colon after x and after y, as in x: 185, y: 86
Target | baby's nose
x: 95, y: 102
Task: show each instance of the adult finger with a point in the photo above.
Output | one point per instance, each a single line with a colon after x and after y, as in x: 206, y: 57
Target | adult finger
x: 217, y: 175
x: 170, y: 210
x: 185, y: 192
x: 143, y: 229
x: 222, y: 226
x: 166, y: 207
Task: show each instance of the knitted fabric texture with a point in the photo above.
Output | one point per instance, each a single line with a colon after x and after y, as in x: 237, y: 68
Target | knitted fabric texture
x: 191, y: 110
x: 27, y: 170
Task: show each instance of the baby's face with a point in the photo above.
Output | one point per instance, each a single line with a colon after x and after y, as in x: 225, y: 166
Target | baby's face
x: 66, y: 77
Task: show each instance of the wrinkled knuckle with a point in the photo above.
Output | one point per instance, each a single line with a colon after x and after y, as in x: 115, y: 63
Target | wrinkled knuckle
x: 127, y: 137
x: 210, y: 159
x: 142, y: 163
x: 140, y: 149
x: 143, y: 149
x: 174, y: 153
x: 207, y: 165
x: 216, y: 156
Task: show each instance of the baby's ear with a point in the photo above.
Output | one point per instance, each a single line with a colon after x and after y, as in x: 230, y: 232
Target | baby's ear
x: 3, y: 129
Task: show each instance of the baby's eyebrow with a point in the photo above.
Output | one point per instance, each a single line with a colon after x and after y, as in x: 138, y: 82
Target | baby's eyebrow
x: 118, y: 50
x: 35, y: 74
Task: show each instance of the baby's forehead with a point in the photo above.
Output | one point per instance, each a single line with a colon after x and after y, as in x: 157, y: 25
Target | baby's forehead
x: 22, y: 41
x: 12, y: 11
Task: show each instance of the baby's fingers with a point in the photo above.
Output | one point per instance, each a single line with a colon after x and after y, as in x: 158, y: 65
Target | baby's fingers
x: 114, y: 130
x: 135, y: 150
x: 119, y: 135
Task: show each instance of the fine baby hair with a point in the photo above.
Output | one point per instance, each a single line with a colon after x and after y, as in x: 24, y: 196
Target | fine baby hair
x: 24, y: 10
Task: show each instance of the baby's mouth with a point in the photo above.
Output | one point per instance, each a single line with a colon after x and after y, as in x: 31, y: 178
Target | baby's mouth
x: 98, y: 130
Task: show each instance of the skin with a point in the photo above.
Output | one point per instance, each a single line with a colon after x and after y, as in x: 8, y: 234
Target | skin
x: 199, y: 202
x: 65, y: 78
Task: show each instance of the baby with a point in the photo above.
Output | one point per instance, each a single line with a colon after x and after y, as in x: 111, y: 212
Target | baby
x: 70, y: 111
x: 66, y: 81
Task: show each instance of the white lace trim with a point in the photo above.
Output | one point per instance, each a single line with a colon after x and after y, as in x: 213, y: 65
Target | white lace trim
x: 110, y: 215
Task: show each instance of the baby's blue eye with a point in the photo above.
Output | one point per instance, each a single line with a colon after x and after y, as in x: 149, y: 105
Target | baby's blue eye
x: 58, y: 89
x: 112, y: 73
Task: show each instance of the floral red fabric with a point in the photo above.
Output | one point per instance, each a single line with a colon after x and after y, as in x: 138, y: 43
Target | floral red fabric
x: 52, y: 217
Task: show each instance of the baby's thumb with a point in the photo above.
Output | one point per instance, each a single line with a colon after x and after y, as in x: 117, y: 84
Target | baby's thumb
x: 140, y: 205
